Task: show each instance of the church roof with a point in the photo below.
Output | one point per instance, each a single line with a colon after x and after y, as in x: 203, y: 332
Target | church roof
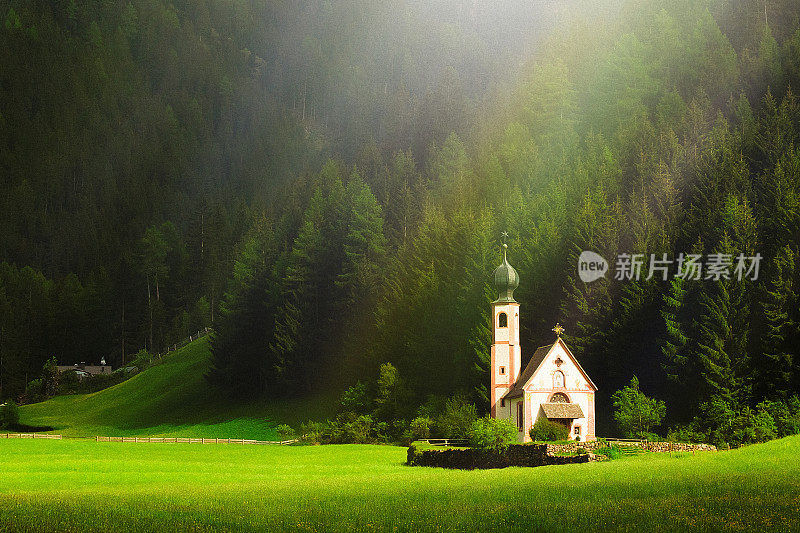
x: 562, y: 410
x: 533, y: 365
x: 530, y: 369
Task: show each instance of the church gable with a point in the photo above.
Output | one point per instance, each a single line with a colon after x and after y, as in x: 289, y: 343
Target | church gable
x: 559, y: 370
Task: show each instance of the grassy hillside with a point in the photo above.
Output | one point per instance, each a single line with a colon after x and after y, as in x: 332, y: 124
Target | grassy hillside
x: 83, y: 485
x: 172, y: 399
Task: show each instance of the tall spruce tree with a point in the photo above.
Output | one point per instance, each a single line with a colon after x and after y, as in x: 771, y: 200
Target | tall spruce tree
x: 781, y: 335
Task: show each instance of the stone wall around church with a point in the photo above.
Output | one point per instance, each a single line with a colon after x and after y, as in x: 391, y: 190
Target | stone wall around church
x: 647, y: 446
x: 534, y: 454
x: 512, y: 455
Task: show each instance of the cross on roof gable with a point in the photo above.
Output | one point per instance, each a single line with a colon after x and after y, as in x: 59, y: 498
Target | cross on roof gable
x: 535, y: 363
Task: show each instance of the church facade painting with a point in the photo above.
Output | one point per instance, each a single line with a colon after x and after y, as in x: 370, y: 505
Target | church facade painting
x: 552, y: 385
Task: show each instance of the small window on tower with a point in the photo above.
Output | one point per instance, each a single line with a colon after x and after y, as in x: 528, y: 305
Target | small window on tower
x: 502, y: 370
x: 502, y: 320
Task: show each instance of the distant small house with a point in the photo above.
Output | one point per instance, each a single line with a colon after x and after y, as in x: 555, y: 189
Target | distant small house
x: 84, y: 371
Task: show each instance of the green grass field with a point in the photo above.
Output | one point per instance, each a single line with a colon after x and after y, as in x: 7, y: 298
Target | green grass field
x: 172, y: 399
x: 83, y: 485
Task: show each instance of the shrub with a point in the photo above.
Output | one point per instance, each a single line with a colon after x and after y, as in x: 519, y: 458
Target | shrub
x: 356, y: 399
x: 411, y: 455
x: 545, y: 430
x: 786, y: 415
x: 492, y: 433
x: 406, y: 438
x: 729, y: 427
x: 142, y: 359
x: 398, y: 430
x: 635, y: 413
x: 751, y: 426
x: 612, y: 452
x: 311, y: 432
x: 421, y: 427
x: 382, y: 430
x: 285, y: 432
x: 433, y: 406
x: 359, y: 431
x: 348, y: 428
x: 333, y: 433
x: 33, y: 391
x: 391, y: 394
x: 651, y: 437
x: 50, y: 378
x: 69, y: 383
x: 687, y: 433
x: 456, y: 420
x: 9, y: 414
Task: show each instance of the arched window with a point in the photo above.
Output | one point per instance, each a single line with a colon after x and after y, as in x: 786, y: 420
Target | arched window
x: 558, y: 379
x: 502, y: 320
x: 559, y: 397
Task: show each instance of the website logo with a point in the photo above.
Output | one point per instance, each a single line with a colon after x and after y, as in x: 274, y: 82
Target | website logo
x: 695, y: 267
x: 591, y: 266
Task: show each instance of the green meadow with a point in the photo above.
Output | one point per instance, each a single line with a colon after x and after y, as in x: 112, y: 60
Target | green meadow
x: 172, y: 399
x: 83, y: 485
x: 78, y: 484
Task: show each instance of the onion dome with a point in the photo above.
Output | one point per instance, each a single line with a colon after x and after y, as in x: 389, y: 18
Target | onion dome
x: 506, y: 280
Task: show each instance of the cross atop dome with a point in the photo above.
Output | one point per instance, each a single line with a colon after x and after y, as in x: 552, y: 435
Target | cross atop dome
x: 506, y: 278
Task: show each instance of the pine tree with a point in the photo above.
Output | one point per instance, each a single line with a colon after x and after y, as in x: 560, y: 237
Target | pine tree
x: 723, y: 330
x: 241, y: 363
x: 154, y: 250
x: 299, y: 320
x: 474, y: 312
x: 675, y: 338
x: 781, y: 334
x: 586, y: 308
x: 364, y: 246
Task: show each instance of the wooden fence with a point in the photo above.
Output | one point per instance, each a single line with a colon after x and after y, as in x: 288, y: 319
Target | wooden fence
x: 445, y: 442
x: 176, y: 440
x: 187, y: 440
x: 172, y: 347
x: 29, y: 436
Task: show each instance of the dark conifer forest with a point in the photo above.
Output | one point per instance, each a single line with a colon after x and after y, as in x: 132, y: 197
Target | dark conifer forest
x: 324, y: 184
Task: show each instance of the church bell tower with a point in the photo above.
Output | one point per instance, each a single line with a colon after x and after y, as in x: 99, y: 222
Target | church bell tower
x: 506, y: 352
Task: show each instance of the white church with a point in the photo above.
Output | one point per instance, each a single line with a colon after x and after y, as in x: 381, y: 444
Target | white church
x: 553, y: 384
